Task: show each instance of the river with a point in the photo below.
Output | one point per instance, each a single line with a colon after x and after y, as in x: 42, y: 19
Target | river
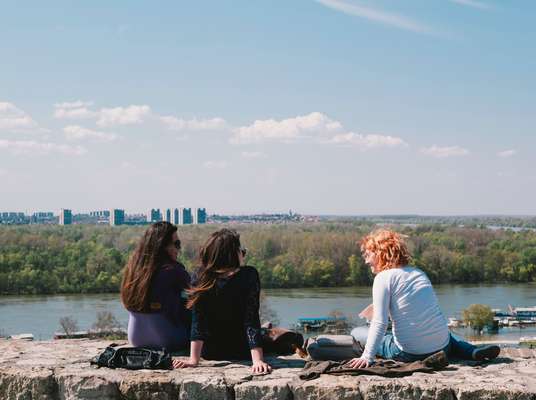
x: 40, y: 315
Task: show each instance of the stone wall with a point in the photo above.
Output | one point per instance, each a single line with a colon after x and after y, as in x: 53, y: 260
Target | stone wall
x: 60, y: 369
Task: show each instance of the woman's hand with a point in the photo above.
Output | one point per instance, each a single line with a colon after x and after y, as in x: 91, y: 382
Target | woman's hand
x: 367, y: 312
x: 358, y: 363
x: 184, y: 363
x: 195, y: 353
x: 261, y: 367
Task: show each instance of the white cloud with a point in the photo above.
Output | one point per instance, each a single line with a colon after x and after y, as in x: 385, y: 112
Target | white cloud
x: 32, y: 147
x: 3, y: 172
x: 133, y: 115
x: 79, y: 109
x: 253, y: 154
x: 366, y: 142
x: 14, y: 119
x: 507, y: 153
x: 74, y: 104
x: 129, y: 115
x: 444, y: 152
x: 215, y: 164
x: 74, y: 110
x: 74, y: 113
x: 75, y: 132
x: 315, y: 126
x: 473, y: 3
x: 179, y: 124
x: 394, y: 20
x: 286, y: 130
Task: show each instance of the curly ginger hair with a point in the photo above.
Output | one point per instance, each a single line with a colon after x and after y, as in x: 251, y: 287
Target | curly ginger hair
x: 389, y: 248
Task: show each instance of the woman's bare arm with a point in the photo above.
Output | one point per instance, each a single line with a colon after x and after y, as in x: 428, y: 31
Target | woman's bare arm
x: 195, y: 354
x: 259, y: 365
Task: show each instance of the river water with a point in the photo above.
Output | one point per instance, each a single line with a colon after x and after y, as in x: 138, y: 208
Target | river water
x: 40, y: 315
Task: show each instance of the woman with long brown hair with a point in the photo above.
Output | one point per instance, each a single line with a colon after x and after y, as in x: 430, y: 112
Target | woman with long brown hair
x: 225, y: 305
x: 153, y: 291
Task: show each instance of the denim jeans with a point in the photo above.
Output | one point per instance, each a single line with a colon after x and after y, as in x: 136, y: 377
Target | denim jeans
x: 456, y: 347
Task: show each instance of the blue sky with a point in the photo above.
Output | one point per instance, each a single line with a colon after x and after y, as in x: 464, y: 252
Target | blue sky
x: 323, y: 107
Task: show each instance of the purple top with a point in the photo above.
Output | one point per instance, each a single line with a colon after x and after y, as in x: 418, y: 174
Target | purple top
x: 167, y: 293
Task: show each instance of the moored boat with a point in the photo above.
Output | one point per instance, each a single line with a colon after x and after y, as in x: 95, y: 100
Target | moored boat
x: 23, y: 336
x: 525, y: 313
x: 455, y: 323
x: 526, y: 341
x: 321, y: 323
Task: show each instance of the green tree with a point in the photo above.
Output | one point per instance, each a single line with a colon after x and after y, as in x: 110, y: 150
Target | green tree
x: 283, y: 276
x: 319, y: 272
x: 477, y: 316
x: 106, y: 321
x: 82, y: 258
x: 358, y: 273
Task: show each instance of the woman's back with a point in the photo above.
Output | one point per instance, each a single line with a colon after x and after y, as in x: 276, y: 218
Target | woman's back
x: 151, y: 289
x: 226, y: 318
x: 419, y: 326
x: 167, y: 293
x: 165, y: 322
x: 406, y: 295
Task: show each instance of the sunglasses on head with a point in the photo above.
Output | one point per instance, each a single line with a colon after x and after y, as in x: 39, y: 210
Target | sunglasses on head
x: 177, y: 244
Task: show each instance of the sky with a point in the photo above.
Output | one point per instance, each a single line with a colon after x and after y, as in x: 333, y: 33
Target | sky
x: 341, y: 107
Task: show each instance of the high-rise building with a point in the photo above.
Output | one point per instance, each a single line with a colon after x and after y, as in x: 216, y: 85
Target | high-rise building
x: 40, y: 214
x: 117, y: 217
x: 100, y: 214
x: 200, y: 216
x: 185, y: 216
x: 66, y: 217
x: 154, y: 215
x: 14, y: 218
x: 135, y: 219
x: 42, y: 217
x: 166, y: 214
x: 172, y: 215
x: 175, y: 220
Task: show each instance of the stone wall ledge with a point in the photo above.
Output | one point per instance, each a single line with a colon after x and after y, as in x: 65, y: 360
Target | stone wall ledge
x: 57, y: 370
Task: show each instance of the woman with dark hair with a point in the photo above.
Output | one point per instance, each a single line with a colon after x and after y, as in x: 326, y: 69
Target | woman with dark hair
x: 152, y: 291
x: 225, y: 305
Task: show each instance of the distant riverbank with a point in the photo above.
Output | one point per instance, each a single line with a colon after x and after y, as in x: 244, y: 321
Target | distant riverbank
x: 39, y: 314
x: 90, y: 259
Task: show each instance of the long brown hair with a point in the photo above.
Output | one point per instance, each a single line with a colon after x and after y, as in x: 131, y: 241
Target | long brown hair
x: 149, y: 254
x: 218, y: 256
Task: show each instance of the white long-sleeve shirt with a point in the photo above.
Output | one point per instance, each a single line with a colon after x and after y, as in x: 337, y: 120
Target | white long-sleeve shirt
x: 407, y: 296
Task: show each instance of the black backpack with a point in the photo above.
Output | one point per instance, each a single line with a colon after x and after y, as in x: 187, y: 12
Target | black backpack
x: 281, y: 341
x: 133, y: 358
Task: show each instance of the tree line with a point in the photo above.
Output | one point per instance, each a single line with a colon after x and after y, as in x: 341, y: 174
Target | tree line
x: 90, y: 259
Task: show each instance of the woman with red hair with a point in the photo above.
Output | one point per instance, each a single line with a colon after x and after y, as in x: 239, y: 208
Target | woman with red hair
x: 404, y: 293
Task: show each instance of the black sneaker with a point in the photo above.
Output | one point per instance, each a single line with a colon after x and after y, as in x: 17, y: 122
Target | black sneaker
x: 486, y: 352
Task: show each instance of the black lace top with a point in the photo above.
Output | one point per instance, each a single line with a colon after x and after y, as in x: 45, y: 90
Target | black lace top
x: 227, y: 317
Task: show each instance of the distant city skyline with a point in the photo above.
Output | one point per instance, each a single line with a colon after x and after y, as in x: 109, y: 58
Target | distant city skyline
x: 114, y: 217
x: 327, y: 107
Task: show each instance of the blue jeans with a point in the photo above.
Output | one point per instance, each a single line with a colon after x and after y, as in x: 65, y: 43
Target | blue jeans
x: 456, y: 347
